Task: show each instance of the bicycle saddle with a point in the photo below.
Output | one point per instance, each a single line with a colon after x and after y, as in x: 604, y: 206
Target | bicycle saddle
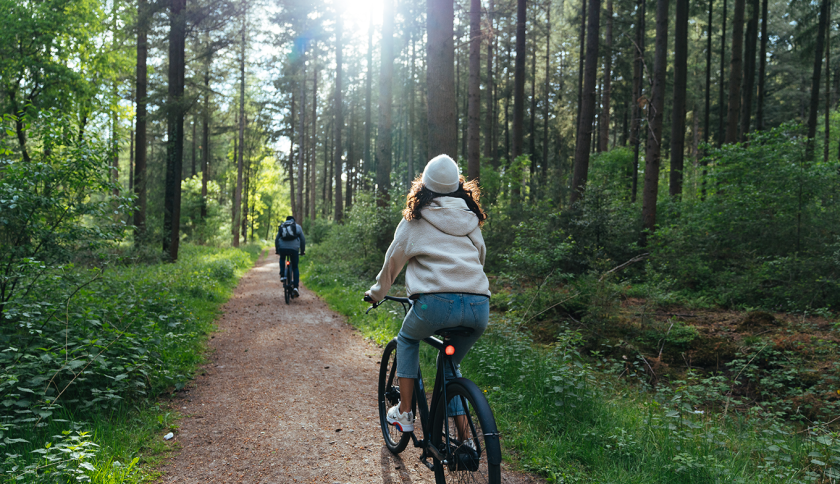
x: 455, y: 331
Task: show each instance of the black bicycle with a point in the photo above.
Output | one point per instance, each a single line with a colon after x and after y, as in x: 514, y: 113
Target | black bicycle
x: 288, y: 284
x: 459, y: 432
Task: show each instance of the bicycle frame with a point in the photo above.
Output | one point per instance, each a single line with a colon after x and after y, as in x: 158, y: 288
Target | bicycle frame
x: 427, y: 416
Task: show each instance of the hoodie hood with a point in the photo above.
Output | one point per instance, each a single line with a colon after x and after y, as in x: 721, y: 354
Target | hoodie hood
x: 450, y: 215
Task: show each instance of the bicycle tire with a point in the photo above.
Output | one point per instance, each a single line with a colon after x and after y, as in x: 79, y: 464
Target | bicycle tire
x: 479, y: 465
x: 287, y: 286
x: 388, y: 395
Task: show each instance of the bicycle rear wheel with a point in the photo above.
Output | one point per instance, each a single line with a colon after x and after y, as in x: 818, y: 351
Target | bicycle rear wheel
x: 474, y: 453
x: 388, y: 396
x: 287, y: 285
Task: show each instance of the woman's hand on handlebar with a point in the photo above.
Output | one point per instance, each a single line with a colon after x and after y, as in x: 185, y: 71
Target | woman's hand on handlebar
x: 369, y: 299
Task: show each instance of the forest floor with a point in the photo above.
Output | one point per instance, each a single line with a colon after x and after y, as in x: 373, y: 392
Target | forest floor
x: 287, y: 395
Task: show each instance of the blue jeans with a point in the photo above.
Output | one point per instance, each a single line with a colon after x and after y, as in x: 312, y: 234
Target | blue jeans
x: 432, y: 312
x: 292, y: 255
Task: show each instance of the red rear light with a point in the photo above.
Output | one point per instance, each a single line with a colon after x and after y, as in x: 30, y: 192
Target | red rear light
x: 288, y: 263
x: 450, y: 350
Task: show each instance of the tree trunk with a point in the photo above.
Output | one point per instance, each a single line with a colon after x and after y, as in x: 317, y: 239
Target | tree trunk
x: 412, y: 86
x: 368, y: 96
x: 546, y: 93
x: 581, y: 56
x: 313, y: 143
x: 518, y: 93
x: 706, y: 114
x: 587, y: 109
x: 140, y: 128
x: 339, y: 122
x: 386, y: 73
x: 721, y: 127
x: 291, y: 165
x: 654, y: 138
x: 489, y: 120
x: 735, y: 72
x: 638, y: 72
x: 749, y: 69
x: 762, y: 69
x: 351, y: 161
x: 194, y: 146
x: 205, y: 142
x: 473, y: 111
x: 815, y: 79
x: 300, y: 211
x: 175, y: 129
x: 440, y: 78
x: 678, y: 110
x: 240, y: 155
x: 827, y: 81
x: 604, y: 138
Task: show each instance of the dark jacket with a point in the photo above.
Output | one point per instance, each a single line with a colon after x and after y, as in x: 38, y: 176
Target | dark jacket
x: 294, y: 244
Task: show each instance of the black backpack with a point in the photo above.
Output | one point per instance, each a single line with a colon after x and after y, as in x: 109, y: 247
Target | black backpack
x: 288, y: 230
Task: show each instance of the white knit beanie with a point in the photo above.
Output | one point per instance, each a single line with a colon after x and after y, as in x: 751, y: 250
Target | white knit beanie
x: 441, y: 175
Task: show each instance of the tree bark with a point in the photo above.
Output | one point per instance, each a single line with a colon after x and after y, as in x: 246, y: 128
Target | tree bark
x: 140, y: 123
x: 240, y: 155
x: 721, y: 117
x: 587, y: 109
x: 678, y: 110
x: 313, y: 143
x: 291, y: 164
x: 749, y: 69
x: 735, y: 72
x: 547, y: 88
x: 300, y: 211
x: 194, y: 146
x: 762, y: 69
x: 815, y: 79
x: 638, y: 72
x: 581, y: 57
x: 368, y: 97
x: 412, y: 86
x: 604, y: 138
x: 473, y: 111
x: 175, y: 129
x: 517, y: 142
x: 205, y: 142
x: 654, y: 138
x: 489, y: 120
x: 339, y: 121
x: 440, y: 78
x: 706, y: 113
x: 827, y: 81
x: 386, y: 70
x: 351, y: 161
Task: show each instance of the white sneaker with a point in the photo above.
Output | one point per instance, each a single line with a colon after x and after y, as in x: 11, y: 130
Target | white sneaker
x: 282, y: 279
x: 296, y: 292
x: 403, y: 421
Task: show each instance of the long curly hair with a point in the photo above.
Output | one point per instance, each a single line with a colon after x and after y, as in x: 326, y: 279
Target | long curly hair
x: 419, y: 196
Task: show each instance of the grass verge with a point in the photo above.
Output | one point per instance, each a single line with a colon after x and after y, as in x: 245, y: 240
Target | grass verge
x: 564, y: 419
x: 79, y: 401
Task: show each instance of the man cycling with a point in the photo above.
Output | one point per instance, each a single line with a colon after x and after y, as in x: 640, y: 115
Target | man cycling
x: 289, y: 240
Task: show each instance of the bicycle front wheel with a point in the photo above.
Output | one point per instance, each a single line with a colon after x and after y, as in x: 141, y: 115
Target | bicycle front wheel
x: 388, y: 396
x: 473, y: 453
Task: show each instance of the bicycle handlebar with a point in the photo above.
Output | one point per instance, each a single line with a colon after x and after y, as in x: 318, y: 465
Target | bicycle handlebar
x: 374, y: 305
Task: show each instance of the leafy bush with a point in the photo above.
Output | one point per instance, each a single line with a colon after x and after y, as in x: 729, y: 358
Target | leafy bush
x: 765, y: 234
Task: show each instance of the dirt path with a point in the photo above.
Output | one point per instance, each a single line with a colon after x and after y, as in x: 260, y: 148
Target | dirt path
x: 288, y: 396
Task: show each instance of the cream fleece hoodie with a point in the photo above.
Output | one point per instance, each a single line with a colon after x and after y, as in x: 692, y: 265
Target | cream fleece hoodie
x: 444, y: 250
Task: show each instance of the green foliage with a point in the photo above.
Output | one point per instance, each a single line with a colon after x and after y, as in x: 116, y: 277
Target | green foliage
x: 764, y: 235
x: 567, y: 419
x: 352, y: 250
x: 91, y: 343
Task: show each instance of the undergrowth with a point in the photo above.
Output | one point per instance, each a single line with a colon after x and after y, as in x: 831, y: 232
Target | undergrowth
x: 84, y: 358
x: 569, y: 418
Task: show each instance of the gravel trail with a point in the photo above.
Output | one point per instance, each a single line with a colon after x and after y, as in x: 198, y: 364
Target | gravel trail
x: 288, y: 396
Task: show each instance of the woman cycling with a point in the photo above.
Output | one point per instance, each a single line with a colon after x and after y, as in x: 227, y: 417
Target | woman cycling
x: 440, y: 239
